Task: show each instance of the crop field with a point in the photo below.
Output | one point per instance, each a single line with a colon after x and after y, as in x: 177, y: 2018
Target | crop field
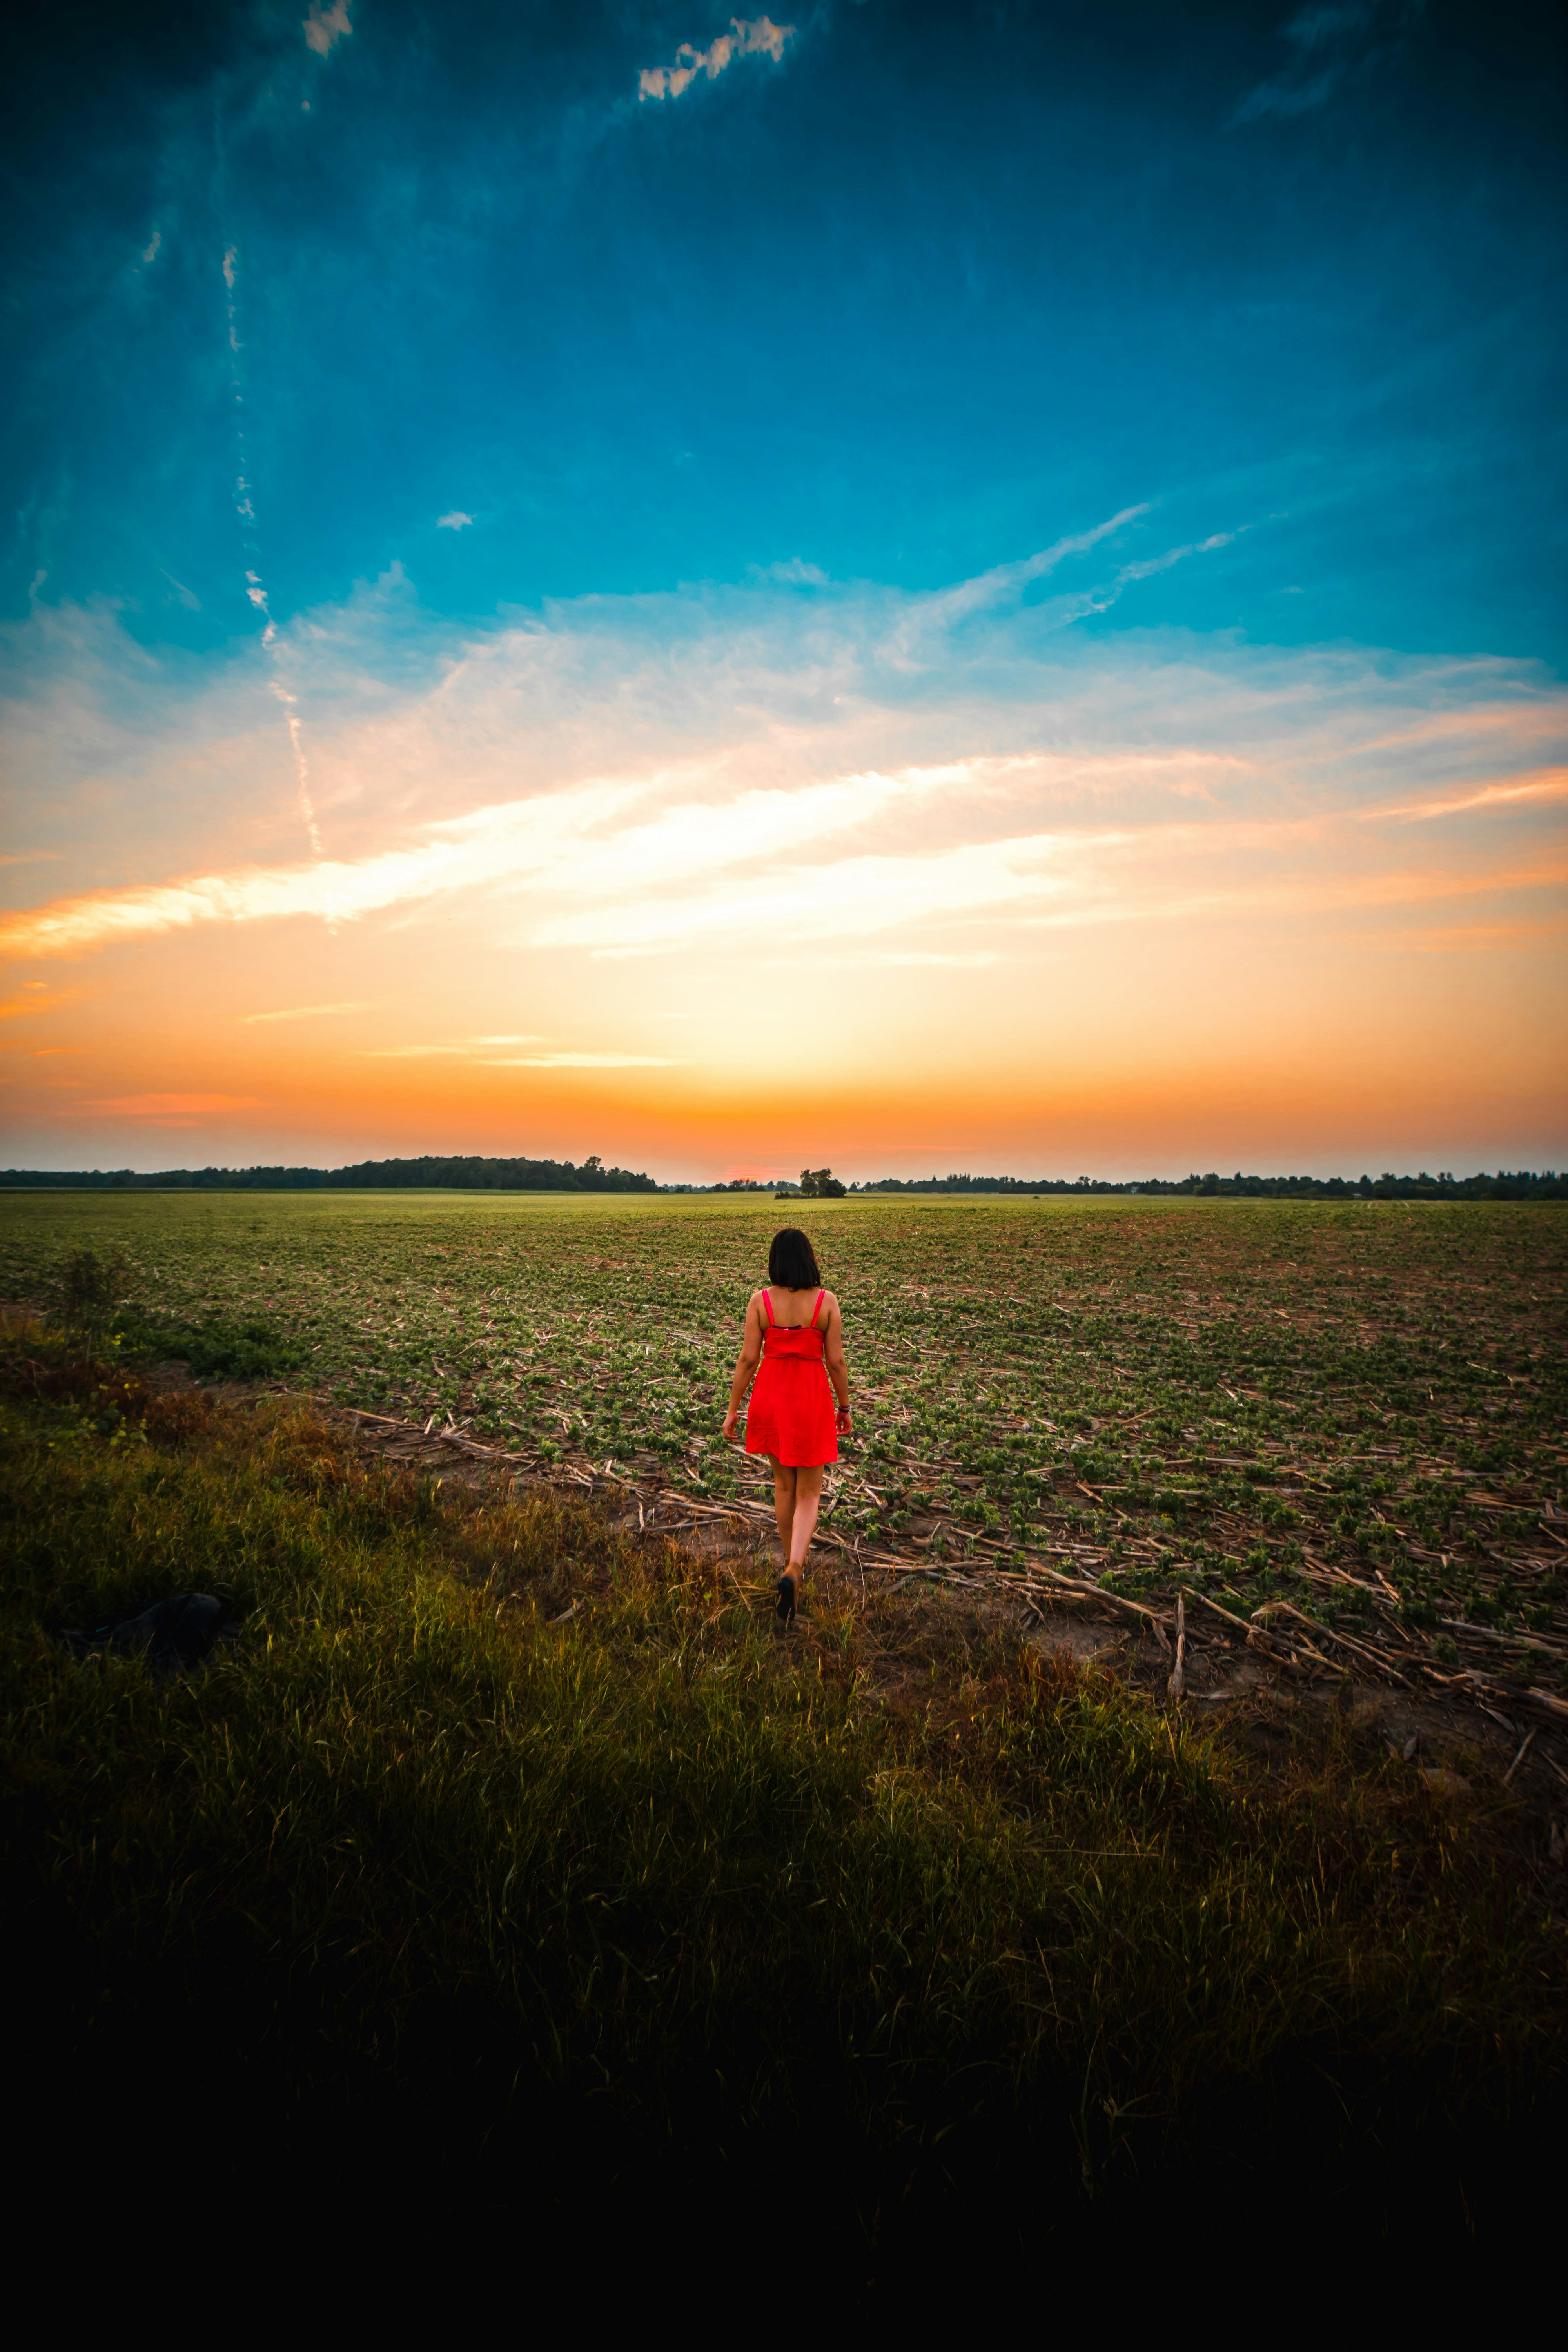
x: 954, y: 1921
x: 1355, y: 1408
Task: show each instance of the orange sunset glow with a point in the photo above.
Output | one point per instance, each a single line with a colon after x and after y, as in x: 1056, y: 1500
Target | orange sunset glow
x: 1133, y: 915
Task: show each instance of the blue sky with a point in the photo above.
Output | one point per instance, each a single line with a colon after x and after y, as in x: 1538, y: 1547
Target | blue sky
x: 935, y: 287
x: 416, y: 410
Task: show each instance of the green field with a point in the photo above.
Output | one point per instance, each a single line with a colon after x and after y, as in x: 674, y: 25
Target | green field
x: 1239, y: 1394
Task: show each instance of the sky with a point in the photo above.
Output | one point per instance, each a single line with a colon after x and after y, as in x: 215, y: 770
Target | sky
x: 907, y: 588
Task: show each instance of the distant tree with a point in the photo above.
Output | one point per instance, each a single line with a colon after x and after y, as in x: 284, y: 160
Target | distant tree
x: 820, y: 1184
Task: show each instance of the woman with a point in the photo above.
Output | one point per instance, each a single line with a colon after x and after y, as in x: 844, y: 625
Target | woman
x: 795, y: 1329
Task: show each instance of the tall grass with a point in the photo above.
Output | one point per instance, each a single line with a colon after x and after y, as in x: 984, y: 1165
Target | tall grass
x: 636, y: 1879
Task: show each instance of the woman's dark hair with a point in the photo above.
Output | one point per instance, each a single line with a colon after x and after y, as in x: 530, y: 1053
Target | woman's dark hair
x: 792, y: 1262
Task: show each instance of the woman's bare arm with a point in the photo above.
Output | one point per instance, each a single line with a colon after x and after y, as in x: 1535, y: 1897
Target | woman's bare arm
x: 837, y: 1370
x: 750, y: 1356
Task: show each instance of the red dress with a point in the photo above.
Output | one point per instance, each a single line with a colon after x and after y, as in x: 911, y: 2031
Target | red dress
x: 791, y: 1412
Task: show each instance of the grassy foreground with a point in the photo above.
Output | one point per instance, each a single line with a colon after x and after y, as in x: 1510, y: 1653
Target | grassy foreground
x: 413, y: 1868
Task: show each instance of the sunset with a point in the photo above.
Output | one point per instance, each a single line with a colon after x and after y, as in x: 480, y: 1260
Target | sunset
x: 783, y: 1382
x: 540, y: 586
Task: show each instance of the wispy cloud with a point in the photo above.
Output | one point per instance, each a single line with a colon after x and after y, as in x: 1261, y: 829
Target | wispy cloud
x: 1553, y: 785
x: 1172, y: 555
x: 846, y: 899
x: 1006, y: 581
x: 463, y: 1048
x: 410, y: 1052
x: 1331, y: 45
x: 587, y: 1062
x: 325, y: 26
x: 757, y: 36
x: 36, y: 998
x: 171, y: 1105
x: 855, y: 767
x: 476, y: 1052
x: 302, y: 1012
x: 456, y: 520
x: 924, y: 960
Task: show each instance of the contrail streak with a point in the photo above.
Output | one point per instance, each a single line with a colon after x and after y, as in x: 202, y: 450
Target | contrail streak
x: 254, y: 586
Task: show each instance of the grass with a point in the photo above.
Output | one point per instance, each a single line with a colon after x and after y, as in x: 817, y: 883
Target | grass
x: 636, y: 1884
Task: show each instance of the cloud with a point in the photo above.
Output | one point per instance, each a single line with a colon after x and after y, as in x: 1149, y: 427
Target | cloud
x: 1332, y: 45
x: 1155, y: 563
x: 1553, y: 785
x: 757, y: 38
x: 324, y: 27
x: 37, y: 996
x: 1061, y: 612
x: 796, y: 573
x: 587, y: 1062
x: 465, y: 1047
x: 171, y: 1105
x: 1005, y: 581
x: 916, y: 959
x: 456, y: 520
x: 854, y: 895
x: 302, y: 1012
x: 865, y: 768
x: 475, y: 1059
x: 150, y: 250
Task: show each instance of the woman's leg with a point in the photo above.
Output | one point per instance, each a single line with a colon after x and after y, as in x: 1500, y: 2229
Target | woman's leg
x: 784, y: 1502
x: 803, y: 1521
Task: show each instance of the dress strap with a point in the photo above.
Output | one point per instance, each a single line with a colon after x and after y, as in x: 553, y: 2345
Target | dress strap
x: 767, y: 1304
x: 818, y: 1308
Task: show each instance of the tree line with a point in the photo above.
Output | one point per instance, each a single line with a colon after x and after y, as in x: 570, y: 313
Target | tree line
x: 478, y: 1175
x: 1522, y: 1184
x: 427, y: 1174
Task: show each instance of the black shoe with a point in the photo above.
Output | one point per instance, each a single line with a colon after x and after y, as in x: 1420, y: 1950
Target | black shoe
x: 783, y: 1608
